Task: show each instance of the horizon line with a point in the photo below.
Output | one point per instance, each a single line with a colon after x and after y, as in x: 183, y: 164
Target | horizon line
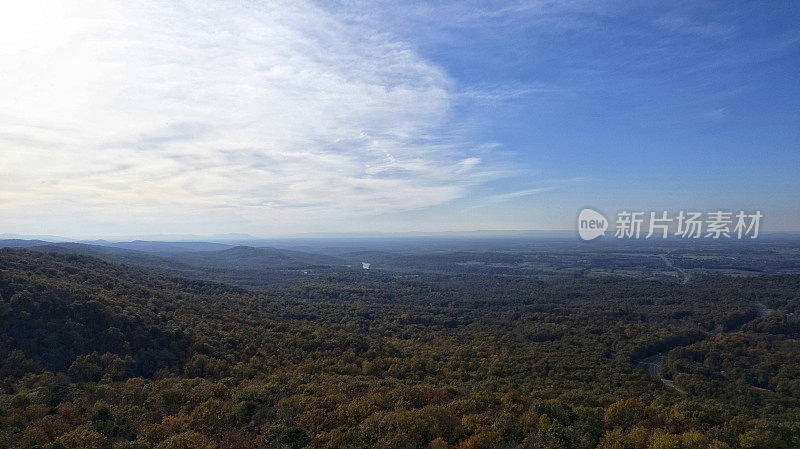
x: 242, y: 237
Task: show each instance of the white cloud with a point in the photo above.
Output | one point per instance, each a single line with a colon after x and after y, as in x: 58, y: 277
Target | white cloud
x: 521, y: 193
x: 497, y: 94
x: 226, y: 112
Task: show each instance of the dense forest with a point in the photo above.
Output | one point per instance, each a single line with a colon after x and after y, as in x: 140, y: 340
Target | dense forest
x: 103, y: 355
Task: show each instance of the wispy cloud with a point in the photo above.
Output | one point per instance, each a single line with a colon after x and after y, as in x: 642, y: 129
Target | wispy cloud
x: 520, y: 193
x: 680, y: 23
x: 150, y: 110
x: 501, y: 93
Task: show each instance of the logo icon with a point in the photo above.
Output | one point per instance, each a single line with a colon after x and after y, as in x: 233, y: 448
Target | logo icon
x: 591, y: 224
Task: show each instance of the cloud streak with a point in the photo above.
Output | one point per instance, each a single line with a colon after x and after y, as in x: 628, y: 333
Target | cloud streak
x: 249, y: 112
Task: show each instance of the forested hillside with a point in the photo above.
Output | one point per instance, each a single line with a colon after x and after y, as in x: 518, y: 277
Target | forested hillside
x: 99, y: 355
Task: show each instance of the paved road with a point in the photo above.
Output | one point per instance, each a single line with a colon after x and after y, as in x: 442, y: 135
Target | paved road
x: 652, y: 363
x: 683, y: 273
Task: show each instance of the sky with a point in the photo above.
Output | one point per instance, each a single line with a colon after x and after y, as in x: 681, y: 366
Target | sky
x: 279, y: 118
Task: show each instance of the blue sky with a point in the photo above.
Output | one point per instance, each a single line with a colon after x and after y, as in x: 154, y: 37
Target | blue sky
x: 653, y: 107
x: 276, y: 118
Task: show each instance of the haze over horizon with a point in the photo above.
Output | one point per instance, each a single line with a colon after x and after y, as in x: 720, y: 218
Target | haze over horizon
x: 283, y: 118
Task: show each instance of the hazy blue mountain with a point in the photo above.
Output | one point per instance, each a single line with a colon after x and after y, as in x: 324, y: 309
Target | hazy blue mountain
x: 20, y: 243
x: 46, y: 238
x: 111, y: 254
x: 242, y: 266
x: 169, y: 247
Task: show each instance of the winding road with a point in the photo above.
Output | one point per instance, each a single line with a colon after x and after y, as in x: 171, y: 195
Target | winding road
x: 651, y: 364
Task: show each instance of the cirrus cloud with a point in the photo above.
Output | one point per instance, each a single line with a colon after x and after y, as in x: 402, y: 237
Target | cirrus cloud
x: 276, y: 111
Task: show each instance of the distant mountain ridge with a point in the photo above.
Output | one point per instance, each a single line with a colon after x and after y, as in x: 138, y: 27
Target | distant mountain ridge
x: 203, y: 253
x: 168, y: 247
x: 22, y: 243
x: 238, y: 265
